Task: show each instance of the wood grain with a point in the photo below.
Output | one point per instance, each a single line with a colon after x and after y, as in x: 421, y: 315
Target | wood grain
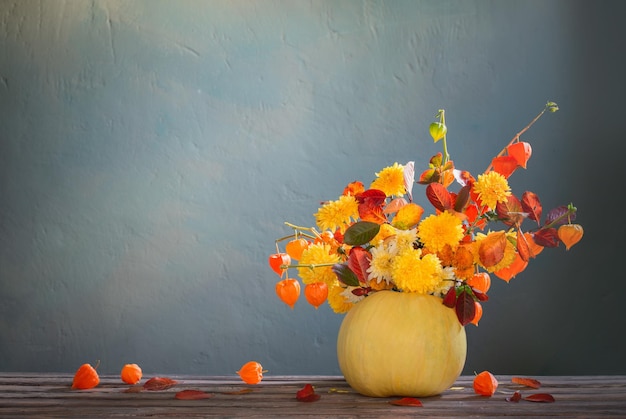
x: 50, y: 396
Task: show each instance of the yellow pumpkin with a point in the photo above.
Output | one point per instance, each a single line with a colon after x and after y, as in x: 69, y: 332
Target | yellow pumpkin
x: 401, y: 344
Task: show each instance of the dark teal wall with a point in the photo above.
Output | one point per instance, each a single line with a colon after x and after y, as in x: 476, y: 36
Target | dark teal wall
x: 151, y: 150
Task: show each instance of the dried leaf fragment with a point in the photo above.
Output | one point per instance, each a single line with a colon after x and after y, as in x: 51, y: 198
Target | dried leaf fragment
x: 307, y: 394
x: 192, y: 395
x: 159, y: 383
x: 515, y: 398
x: 540, y: 398
x: 406, y: 401
x: 525, y: 381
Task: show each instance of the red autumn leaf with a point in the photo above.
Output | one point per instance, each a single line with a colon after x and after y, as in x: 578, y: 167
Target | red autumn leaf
x: 406, y: 401
x: 491, y: 250
x: 505, y: 165
x: 559, y: 213
x: 371, y: 205
x: 547, y: 237
x: 523, y: 248
x: 510, y: 212
x: 439, y: 196
x: 159, y: 383
x: 516, y: 397
x: 540, y: 398
x: 192, y: 395
x: 480, y: 296
x: 472, y: 214
x: 521, y: 152
x: 465, y: 308
x: 307, y: 394
x: 359, y: 262
x: 532, y: 205
x: 450, y: 298
x: 528, y: 382
x: 462, y: 198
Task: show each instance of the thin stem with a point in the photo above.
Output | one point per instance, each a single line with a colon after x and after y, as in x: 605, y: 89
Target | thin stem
x: 519, y: 134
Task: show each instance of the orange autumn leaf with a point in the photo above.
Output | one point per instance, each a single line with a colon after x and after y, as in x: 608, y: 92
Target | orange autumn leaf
x: 491, y: 250
x: 394, y: 205
x: 513, y: 269
x: 159, y: 383
x: 534, y: 248
x: 406, y: 401
x: 525, y: 381
x: 485, y: 384
x: 192, y: 395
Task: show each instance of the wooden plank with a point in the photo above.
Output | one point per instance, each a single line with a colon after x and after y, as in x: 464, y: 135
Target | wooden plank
x: 49, y: 396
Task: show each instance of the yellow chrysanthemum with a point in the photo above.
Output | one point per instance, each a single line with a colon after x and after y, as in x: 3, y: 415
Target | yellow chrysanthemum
x: 381, y: 264
x: 509, y: 251
x: 317, y: 254
x: 408, y: 216
x: 337, y: 214
x: 414, y: 273
x: 492, y: 188
x: 390, y: 180
x: 438, y: 230
x: 337, y: 301
x: 386, y: 230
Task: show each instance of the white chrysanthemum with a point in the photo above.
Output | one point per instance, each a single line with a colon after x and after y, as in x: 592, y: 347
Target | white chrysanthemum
x: 381, y: 264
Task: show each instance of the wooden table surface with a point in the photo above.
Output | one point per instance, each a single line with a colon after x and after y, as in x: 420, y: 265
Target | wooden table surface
x: 50, y: 396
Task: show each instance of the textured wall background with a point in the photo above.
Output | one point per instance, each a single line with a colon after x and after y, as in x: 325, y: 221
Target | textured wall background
x: 151, y: 150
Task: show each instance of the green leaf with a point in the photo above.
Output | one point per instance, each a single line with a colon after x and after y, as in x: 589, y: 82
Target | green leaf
x: 360, y: 233
x: 345, y: 274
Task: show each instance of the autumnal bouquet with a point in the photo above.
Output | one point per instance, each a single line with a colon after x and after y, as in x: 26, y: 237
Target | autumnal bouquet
x: 377, y: 238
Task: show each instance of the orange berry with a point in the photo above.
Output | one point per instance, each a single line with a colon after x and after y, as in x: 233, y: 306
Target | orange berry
x: 570, y: 234
x: 86, y: 377
x: 316, y: 293
x: 480, y: 281
x: 288, y: 290
x: 131, y: 374
x: 251, y: 372
x: 485, y: 384
x: 295, y: 248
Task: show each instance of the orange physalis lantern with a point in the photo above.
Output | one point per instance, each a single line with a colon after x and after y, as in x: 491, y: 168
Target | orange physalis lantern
x: 295, y: 248
x: 277, y: 260
x: 480, y: 281
x: 131, y: 374
x: 485, y: 384
x: 478, y: 310
x: 85, y: 377
x: 251, y: 372
x: 521, y: 152
x: 288, y: 290
x: 316, y: 293
x: 570, y: 234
